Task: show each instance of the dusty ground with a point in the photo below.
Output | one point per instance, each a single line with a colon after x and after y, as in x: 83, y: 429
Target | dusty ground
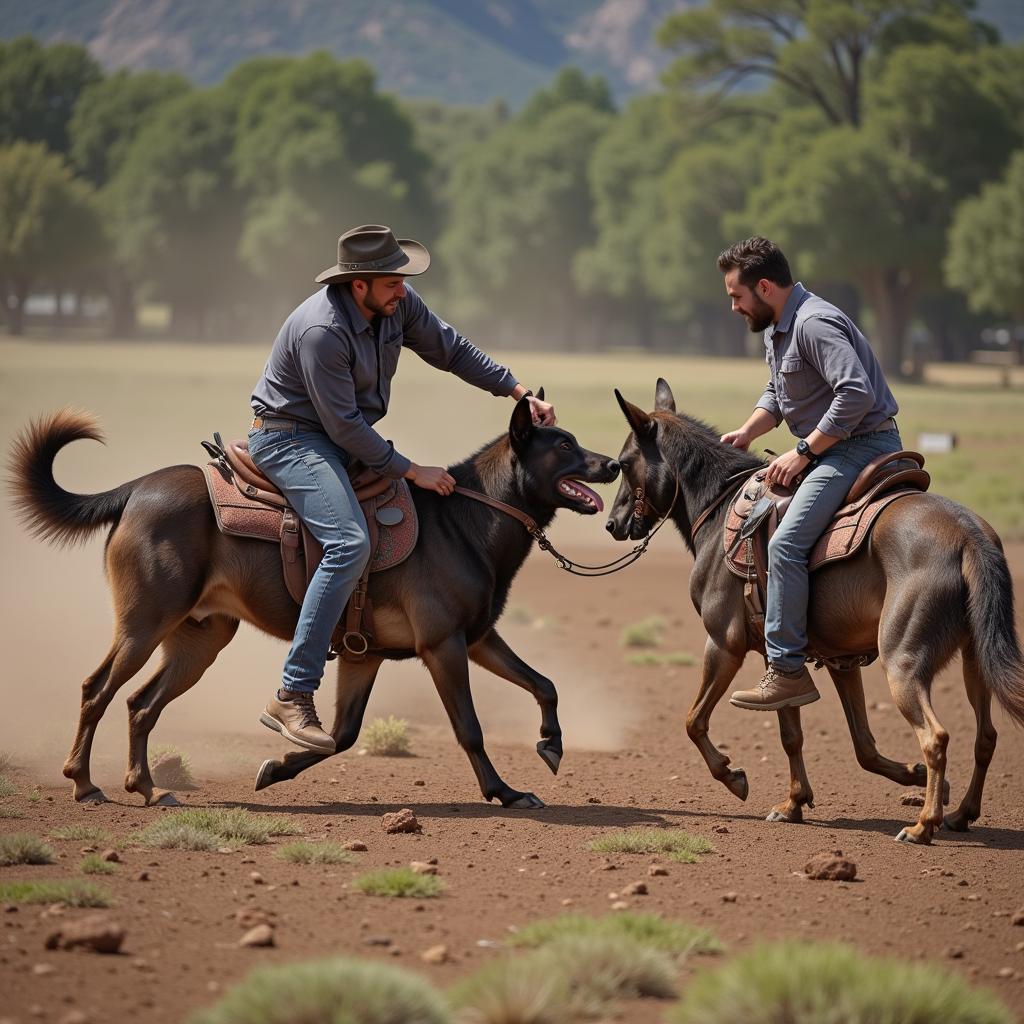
x: 628, y: 763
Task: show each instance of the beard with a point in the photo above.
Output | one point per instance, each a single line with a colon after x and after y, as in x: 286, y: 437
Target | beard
x: 762, y: 316
x: 380, y: 308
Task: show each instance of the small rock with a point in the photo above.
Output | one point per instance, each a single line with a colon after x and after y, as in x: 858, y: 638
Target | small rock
x: 955, y: 953
x: 87, y: 849
x: 355, y: 845
x: 635, y: 889
x: 256, y: 878
x: 261, y: 935
x: 248, y: 860
x: 567, y: 902
x: 395, y: 951
x: 620, y: 905
x: 912, y: 800
x: 722, y: 830
x: 377, y: 940
x: 435, y: 955
x: 419, y: 782
x: 656, y: 870
x: 1003, y: 972
x: 729, y: 897
x: 41, y: 969
x: 593, y: 800
x: 401, y: 821
x: 422, y: 867
x: 608, y: 866
x: 93, y: 932
x: 1018, y: 917
x: 74, y: 1017
x: 142, y: 876
x: 111, y: 856
x: 250, y: 917
x: 831, y: 866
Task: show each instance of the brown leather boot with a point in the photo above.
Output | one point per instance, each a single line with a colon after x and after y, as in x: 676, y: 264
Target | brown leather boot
x: 778, y: 690
x: 296, y: 720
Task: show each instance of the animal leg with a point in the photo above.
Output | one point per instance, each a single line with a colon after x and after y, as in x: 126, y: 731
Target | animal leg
x: 355, y: 683
x: 492, y: 653
x: 719, y: 670
x: 130, y: 650
x: 449, y: 668
x: 188, y: 652
x: 850, y: 686
x: 984, y: 744
x: 800, y: 792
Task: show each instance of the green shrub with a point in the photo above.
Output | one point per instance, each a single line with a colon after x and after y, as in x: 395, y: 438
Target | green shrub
x: 7, y: 788
x: 680, y: 658
x: 804, y: 983
x: 81, y: 833
x: 72, y: 892
x: 673, y: 937
x: 336, y: 991
x: 94, y: 864
x: 10, y: 812
x: 204, y: 828
x: 398, y: 882
x: 387, y: 737
x: 34, y: 795
x: 673, y: 843
x: 643, y: 634
x: 24, y: 848
x: 513, y: 990
x: 645, y: 659
x: 313, y: 853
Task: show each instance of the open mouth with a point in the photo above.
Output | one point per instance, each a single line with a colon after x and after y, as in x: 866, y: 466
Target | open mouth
x: 582, y: 495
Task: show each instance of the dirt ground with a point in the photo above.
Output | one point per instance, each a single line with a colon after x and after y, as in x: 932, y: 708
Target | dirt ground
x: 628, y: 763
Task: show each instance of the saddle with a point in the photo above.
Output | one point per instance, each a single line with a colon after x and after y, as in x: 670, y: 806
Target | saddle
x: 757, y: 509
x: 247, y: 504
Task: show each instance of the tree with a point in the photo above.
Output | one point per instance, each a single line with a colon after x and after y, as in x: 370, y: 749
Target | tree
x: 986, y: 246
x: 819, y: 51
x: 49, y: 228
x: 570, y: 86
x: 38, y: 90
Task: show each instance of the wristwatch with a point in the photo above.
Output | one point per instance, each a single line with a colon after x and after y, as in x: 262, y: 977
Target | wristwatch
x: 804, y: 449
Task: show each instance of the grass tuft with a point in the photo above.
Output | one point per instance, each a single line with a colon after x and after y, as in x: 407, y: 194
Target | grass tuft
x: 801, y: 983
x: 648, y: 659
x: 387, y: 737
x: 512, y: 991
x: 337, y: 990
x: 24, y: 848
x: 650, y: 930
x: 170, y: 767
x: 313, y: 853
x: 94, y: 864
x: 402, y: 882
x: 81, y: 833
x: 646, y: 633
x: 10, y: 812
x: 34, y: 795
x: 7, y: 788
x: 673, y: 843
x: 6, y: 761
x: 204, y: 828
x: 72, y: 892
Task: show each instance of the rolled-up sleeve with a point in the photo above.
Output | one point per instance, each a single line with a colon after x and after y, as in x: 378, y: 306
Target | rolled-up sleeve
x: 440, y: 345
x: 325, y: 363
x: 770, y: 403
x: 825, y: 344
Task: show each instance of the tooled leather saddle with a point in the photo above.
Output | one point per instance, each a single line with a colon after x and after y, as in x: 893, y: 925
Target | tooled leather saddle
x: 757, y: 509
x: 247, y: 504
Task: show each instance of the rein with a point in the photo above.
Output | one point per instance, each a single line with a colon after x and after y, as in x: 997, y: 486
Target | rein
x: 563, y: 562
x: 743, y: 474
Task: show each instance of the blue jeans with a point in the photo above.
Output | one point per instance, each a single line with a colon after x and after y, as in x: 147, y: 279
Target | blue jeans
x: 816, y: 501
x: 310, y: 470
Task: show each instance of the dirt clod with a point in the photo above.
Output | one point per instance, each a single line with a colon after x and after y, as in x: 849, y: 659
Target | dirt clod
x: 912, y: 800
x: 355, y: 846
x: 1018, y: 918
x: 435, y: 955
x: 401, y: 821
x: 635, y: 889
x: 111, y: 856
x: 261, y: 935
x: 422, y: 867
x: 657, y: 870
x: 831, y: 866
x: 95, y: 933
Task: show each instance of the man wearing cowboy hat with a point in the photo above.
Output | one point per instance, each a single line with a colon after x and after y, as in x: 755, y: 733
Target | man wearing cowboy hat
x: 327, y: 381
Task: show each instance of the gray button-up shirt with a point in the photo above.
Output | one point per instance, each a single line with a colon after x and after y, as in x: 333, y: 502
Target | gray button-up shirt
x: 332, y: 369
x: 823, y: 372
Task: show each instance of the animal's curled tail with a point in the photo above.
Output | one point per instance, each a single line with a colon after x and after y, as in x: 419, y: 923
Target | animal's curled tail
x: 994, y: 632
x: 45, y: 508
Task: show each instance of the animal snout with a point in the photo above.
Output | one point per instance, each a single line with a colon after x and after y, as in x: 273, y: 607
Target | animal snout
x: 610, y: 526
x: 613, y: 468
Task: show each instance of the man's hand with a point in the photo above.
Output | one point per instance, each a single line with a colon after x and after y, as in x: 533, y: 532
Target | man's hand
x: 786, y: 468
x: 543, y: 413
x: 738, y: 438
x: 431, y: 478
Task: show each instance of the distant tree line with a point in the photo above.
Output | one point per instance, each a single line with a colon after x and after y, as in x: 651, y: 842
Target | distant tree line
x: 880, y: 143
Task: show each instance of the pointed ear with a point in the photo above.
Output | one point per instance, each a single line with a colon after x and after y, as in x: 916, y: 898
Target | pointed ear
x: 664, y: 400
x: 540, y: 393
x: 520, y: 428
x: 637, y: 419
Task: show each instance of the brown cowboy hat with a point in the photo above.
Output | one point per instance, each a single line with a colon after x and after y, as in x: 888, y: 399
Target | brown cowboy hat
x: 372, y: 249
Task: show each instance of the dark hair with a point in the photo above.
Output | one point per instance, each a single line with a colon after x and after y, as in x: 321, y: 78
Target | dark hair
x: 757, y: 258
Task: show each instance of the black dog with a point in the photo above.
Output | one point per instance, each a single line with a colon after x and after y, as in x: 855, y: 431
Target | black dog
x: 179, y: 583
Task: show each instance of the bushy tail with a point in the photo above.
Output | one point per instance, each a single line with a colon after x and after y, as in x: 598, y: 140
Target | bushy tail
x: 46, y: 509
x: 994, y: 632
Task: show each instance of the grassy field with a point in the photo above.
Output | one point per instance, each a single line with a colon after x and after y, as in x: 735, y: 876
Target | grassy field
x: 156, y: 400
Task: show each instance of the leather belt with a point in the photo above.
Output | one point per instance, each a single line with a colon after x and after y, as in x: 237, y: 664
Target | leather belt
x: 889, y: 424
x: 279, y: 423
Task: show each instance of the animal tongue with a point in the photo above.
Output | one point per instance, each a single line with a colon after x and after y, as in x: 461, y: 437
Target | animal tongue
x: 594, y: 497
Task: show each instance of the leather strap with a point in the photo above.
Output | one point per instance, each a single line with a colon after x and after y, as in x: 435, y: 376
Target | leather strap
x: 509, y: 510
x: 743, y: 474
